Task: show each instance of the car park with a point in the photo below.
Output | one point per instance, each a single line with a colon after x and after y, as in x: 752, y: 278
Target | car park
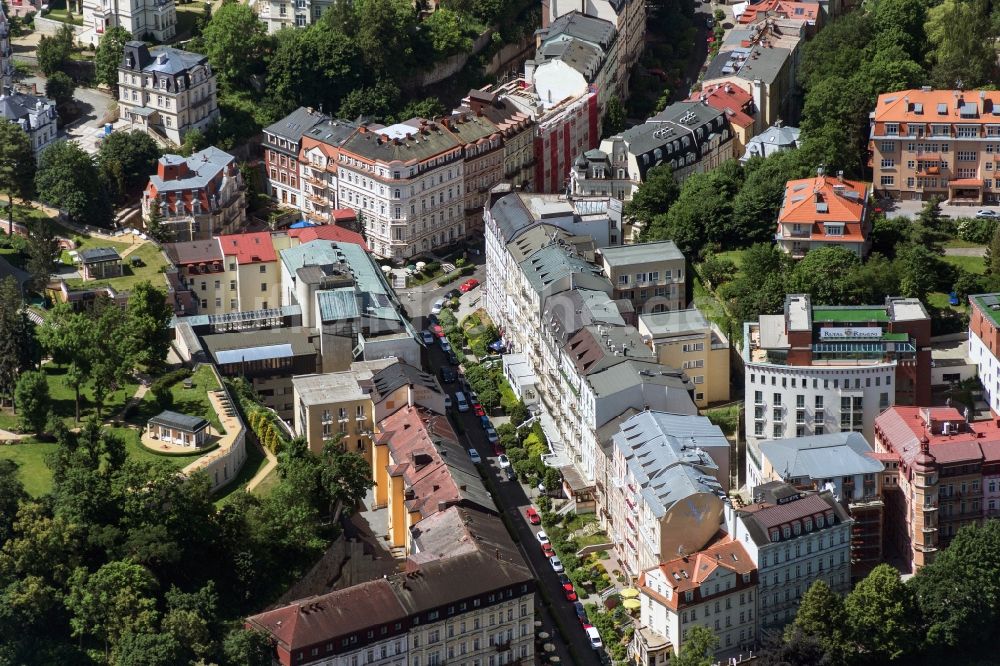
x: 461, y: 402
x: 427, y: 337
x: 503, y: 461
x: 547, y: 550
x: 475, y: 456
x: 531, y: 513
x: 437, y: 307
x: 542, y: 536
x: 594, y: 637
x: 556, y: 563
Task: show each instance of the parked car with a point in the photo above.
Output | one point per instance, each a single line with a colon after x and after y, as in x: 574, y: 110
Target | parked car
x: 581, y: 612
x: 493, y: 438
x: 542, y: 536
x: 556, y: 563
x: 445, y: 345
x: 569, y: 592
x: 469, y: 285
x: 485, y: 422
x: 509, y: 473
x: 503, y: 461
x: 594, y: 637
x: 454, y: 293
x: 447, y: 374
x: 437, y: 307
x: 498, y: 448
x: 478, y: 409
x: 438, y: 330
x: 953, y: 299
x: 547, y: 550
x: 447, y: 401
x: 475, y: 456
x: 427, y: 337
x: 452, y: 358
x: 987, y: 214
x: 461, y: 402
x: 532, y: 515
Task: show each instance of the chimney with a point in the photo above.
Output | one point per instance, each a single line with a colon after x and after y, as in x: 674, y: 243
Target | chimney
x: 840, y: 176
x: 409, y: 395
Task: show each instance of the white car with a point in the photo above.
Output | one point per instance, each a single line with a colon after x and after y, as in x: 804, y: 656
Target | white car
x: 445, y: 346
x: 447, y: 402
x: 503, y: 461
x: 542, y: 536
x: 475, y: 456
x: 594, y: 637
x: 986, y: 213
x: 557, y: 566
x: 427, y: 337
x: 437, y: 307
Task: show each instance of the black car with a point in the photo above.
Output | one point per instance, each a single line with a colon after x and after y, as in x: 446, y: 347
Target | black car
x: 563, y: 579
x: 454, y: 293
x: 581, y: 612
x: 452, y: 358
x: 447, y: 375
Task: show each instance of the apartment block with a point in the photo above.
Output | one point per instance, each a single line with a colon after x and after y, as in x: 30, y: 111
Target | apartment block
x: 819, y: 369
x: 278, y: 14
x: 153, y: 20
x: 650, y: 275
x: 517, y: 129
x: 690, y: 137
x: 166, y: 91
x: 199, y: 196
x: 337, y: 405
x: 715, y: 588
x: 670, y: 475
x: 936, y: 143
x: 685, y: 339
x: 824, y: 211
x: 465, y: 597
x: 317, y: 159
x: 845, y: 464
x: 808, y: 12
x: 984, y: 345
x: 795, y: 538
x: 483, y: 150
x: 282, y: 143
x: 738, y: 106
x: 946, y: 477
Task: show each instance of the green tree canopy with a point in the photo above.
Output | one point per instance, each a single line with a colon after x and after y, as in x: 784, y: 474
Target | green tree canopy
x: 54, y: 50
x: 109, y: 56
x: 883, y: 616
x: 235, y: 42
x: 33, y: 401
x: 17, y: 167
x: 60, y: 88
x: 68, y: 179
x: 127, y: 160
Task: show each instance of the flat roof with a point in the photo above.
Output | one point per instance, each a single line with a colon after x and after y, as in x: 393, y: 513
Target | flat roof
x: 849, y: 314
x: 676, y: 321
x: 989, y: 305
x: 642, y: 253
x: 328, y: 388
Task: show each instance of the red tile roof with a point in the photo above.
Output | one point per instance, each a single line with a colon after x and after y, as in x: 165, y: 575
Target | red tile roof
x: 800, y: 202
x: 900, y: 429
x: 731, y: 99
x: 805, y: 11
x: 329, y: 232
x: 692, y: 570
x: 251, y: 248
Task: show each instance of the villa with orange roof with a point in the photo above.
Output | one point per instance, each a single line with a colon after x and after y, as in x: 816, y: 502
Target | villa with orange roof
x: 822, y: 211
x: 809, y: 12
x: 715, y: 588
x: 937, y: 143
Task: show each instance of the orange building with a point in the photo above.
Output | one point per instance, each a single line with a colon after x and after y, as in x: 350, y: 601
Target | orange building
x: 821, y: 211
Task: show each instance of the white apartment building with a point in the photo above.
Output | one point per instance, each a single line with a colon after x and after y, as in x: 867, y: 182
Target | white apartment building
x: 821, y: 369
x: 166, y: 91
x: 406, y: 184
x: 984, y: 344
x: 670, y: 475
x: 628, y: 17
x: 715, y: 588
x: 278, y: 14
x: 795, y: 538
x: 154, y: 20
x: 35, y: 115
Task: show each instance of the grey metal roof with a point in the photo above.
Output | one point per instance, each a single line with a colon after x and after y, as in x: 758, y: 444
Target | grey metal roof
x: 661, y: 138
x: 668, y: 456
x: 97, y: 255
x: 641, y: 253
x: 261, y: 353
x: 328, y: 388
x: 772, y: 140
x: 581, y: 56
x: 203, y: 167
x: 553, y: 263
x: 821, y: 456
x: 511, y: 215
x: 168, y: 60
x: 331, y: 132
x: 403, y: 374
x: 637, y: 372
x: 337, y: 304
x: 296, y: 123
x: 273, y: 343
x: 18, y: 106
x: 180, y: 421
x: 676, y: 321
x: 567, y: 312
x: 587, y: 28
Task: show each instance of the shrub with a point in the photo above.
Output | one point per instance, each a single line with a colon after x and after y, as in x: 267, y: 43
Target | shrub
x: 973, y: 230
x: 160, y: 387
x: 460, y: 262
x: 465, y: 270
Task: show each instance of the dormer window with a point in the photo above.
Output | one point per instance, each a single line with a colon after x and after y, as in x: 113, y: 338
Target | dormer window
x: 786, y: 531
x: 797, y: 528
x: 775, y: 536
x: 819, y: 521
x: 807, y: 523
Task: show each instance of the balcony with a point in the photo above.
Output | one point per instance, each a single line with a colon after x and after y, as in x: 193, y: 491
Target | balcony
x: 321, y: 201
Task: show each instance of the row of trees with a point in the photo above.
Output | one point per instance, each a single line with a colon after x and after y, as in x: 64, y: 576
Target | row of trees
x: 946, y: 612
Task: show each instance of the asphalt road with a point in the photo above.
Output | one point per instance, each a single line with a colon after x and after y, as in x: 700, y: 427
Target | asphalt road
x: 511, y: 497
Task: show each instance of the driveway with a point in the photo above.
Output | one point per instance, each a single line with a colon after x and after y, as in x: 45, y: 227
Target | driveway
x: 912, y: 208
x: 94, y: 106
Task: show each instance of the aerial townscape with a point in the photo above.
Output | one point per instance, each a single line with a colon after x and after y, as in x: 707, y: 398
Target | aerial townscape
x: 489, y: 333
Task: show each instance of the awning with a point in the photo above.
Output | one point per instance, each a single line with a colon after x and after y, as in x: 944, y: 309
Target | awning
x: 142, y: 111
x: 965, y: 182
x: 632, y: 604
x: 629, y: 593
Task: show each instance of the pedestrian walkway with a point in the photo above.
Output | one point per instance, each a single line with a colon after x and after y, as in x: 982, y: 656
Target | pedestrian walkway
x: 262, y: 473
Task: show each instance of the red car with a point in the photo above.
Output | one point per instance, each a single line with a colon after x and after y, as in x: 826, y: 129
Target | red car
x: 469, y: 285
x: 532, y: 516
x: 478, y: 409
x: 498, y: 449
x: 569, y: 592
x: 438, y: 330
x: 547, y: 549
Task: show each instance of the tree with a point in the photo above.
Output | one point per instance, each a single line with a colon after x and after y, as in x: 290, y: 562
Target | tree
x: 60, y: 88
x: 822, y: 273
x: 552, y: 479
x: 17, y: 167
x: 126, y: 159
x: 717, y: 270
x: 54, y: 50
x: 448, y: 32
x: 11, y: 495
x: 698, y: 649
x: 155, y: 228
x: 375, y: 101
x: 10, y: 313
x: 246, y: 647
x: 111, y: 602
x: 887, y: 232
x: 385, y: 31
x: 68, y: 179
x: 345, y: 477
x: 43, y: 250
x: 32, y: 397
x: 148, y: 649
x: 921, y: 271
x: 962, y: 52
x: 992, y: 257
x: 654, y: 196
x: 66, y: 335
x: 883, y: 616
x: 109, y: 56
x: 518, y: 414
x: 147, y: 325
x: 235, y: 41
x: 821, y: 616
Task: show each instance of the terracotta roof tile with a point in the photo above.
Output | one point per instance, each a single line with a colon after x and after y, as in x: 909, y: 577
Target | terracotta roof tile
x: 252, y: 248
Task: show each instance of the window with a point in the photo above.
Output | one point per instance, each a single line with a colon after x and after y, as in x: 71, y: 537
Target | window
x: 887, y: 180
x: 888, y: 163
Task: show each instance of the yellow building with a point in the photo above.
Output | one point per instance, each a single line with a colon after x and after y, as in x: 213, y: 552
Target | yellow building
x: 332, y: 405
x: 686, y: 340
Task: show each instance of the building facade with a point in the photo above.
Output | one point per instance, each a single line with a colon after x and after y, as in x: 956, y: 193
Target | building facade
x: 154, y: 20
x: 335, y: 406
x: 649, y: 275
x: 936, y: 143
x: 824, y: 211
x: 517, y: 128
x: 318, y: 158
x: 984, y: 345
x: 35, y: 115
x: 482, y: 148
x: 199, y: 196
x: 166, y: 91
x: 685, y: 339
x: 817, y: 369
x: 282, y: 143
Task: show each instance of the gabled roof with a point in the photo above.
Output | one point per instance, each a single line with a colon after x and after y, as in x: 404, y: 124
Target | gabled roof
x: 251, y: 248
x: 296, y: 123
x: 329, y: 232
x: 193, y: 252
x: 402, y: 374
x: 689, y: 572
x: 823, y: 199
x: 821, y: 456
x: 409, y: 143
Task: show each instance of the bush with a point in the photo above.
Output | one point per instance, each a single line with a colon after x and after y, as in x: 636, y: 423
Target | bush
x: 518, y: 414
x: 460, y: 262
x: 973, y: 230
x: 465, y: 270
x: 448, y: 279
x: 160, y: 388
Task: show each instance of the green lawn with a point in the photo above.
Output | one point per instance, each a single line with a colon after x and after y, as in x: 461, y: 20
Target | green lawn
x: 939, y: 299
x: 267, y: 484
x: 193, y: 401
x: 151, y: 268
x: 735, y: 256
x: 254, y: 463
x: 137, y: 451
x: 13, y: 256
x: 30, y: 458
x: 62, y: 397
x: 187, y: 16
x: 971, y: 264
x: 64, y: 16
x: 958, y: 242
